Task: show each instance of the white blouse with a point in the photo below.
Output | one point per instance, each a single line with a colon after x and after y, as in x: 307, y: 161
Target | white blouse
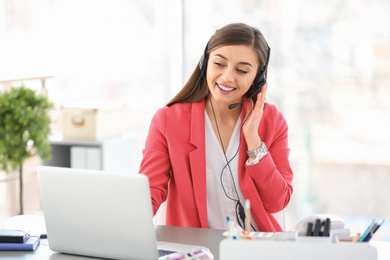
x: 222, y: 177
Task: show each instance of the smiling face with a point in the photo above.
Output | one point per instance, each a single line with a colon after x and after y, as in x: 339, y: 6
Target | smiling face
x: 231, y: 70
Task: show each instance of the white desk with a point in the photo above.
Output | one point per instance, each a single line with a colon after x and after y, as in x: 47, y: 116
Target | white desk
x: 207, y: 237
x: 198, y: 236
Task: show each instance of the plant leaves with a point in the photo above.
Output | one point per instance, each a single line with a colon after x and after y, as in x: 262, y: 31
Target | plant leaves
x: 24, y: 119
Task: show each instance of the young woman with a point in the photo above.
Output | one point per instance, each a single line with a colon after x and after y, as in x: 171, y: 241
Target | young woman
x: 217, y: 143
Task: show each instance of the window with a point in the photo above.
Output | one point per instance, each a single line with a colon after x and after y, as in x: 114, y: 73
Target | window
x: 329, y: 74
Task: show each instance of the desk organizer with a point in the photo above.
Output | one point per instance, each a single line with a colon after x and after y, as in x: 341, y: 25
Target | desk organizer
x: 294, y: 250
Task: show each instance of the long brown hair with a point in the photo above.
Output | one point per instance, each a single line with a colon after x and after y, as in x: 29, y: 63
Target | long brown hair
x: 196, y: 87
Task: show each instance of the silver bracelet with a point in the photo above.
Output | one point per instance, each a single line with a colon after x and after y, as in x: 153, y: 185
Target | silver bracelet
x: 261, y: 149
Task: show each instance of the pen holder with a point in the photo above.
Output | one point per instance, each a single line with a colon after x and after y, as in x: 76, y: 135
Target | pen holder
x: 264, y: 249
x: 321, y: 239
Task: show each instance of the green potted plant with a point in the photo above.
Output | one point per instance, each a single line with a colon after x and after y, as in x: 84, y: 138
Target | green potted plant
x: 24, y: 129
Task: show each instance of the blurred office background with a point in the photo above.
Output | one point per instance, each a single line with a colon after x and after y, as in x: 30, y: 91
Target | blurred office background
x: 329, y: 74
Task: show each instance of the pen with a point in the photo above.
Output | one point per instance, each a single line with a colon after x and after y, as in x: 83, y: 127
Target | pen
x: 373, y: 230
x: 356, y: 237
x: 229, y: 227
x: 368, y: 229
x: 379, y: 225
x: 326, y: 227
x: 247, y: 216
x: 309, y: 230
x: 246, y: 235
x: 317, y: 227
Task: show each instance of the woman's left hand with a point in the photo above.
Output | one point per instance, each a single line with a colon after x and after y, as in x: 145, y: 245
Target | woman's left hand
x: 251, y: 126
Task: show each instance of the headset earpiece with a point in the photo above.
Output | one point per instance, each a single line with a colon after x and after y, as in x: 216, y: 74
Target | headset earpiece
x: 203, y: 61
x: 260, y: 78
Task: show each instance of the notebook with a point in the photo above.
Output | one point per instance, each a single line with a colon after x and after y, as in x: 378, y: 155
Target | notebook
x: 30, y: 244
x: 100, y: 214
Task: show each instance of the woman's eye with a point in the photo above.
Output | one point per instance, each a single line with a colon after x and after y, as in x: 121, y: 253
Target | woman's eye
x: 242, y: 71
x: 218, y: 64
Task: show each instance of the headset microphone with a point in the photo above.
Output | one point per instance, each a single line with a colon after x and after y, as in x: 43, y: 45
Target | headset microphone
x: 231, y: 106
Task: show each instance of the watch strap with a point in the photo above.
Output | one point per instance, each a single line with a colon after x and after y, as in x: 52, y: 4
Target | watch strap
x: 255, y: 152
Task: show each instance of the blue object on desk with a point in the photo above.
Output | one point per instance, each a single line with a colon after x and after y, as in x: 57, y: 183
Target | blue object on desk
x: 30, y: 245
x: 367, y: 231
x: 371, y: 231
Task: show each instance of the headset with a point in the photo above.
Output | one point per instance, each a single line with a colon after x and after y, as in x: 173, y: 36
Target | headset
x: 258, y: 82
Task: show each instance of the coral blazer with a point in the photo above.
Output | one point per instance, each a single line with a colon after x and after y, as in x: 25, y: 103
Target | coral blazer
x: 174, y: 159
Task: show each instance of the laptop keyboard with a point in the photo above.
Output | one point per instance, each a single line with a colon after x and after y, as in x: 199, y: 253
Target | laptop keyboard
x: 162, y: 252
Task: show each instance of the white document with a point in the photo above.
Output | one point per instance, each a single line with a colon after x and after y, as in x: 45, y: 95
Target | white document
x: 77, y: 157
x: 85, y: 158
x: 93, y: 161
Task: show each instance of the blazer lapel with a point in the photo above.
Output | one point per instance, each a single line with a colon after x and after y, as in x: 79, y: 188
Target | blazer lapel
x: 198, y: 160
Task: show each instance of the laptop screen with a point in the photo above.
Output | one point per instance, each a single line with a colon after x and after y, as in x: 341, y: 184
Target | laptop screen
x: 96, y: 213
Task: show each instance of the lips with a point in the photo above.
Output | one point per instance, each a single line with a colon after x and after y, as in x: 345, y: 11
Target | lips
x: 225, y: 88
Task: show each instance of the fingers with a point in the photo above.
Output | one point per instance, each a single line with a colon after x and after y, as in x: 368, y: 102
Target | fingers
x: 262, y: 94
x: 261, y: 98
x: 257, y: 107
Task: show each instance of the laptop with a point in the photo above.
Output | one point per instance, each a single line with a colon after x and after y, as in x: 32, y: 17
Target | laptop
x: 100, y: 214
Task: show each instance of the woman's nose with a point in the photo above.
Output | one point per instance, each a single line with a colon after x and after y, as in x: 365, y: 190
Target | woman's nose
x: 228, y: 75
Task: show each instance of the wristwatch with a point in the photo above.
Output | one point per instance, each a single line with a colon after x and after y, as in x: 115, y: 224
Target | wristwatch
x: 261, y: 149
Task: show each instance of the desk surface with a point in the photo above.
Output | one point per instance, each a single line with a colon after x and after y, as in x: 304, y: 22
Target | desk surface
x: 207, y: 237
x: 197, y: 236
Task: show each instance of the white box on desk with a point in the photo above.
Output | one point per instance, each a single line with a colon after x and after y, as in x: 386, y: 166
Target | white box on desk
x: 290, y: 250
x: 93, y: 119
